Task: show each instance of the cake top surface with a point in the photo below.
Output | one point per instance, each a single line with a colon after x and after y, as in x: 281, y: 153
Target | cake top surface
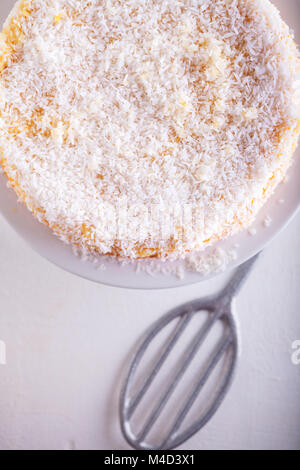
x: 137, y: 103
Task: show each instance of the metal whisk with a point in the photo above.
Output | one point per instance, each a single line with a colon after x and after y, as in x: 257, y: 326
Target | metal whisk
x: 219, y: 308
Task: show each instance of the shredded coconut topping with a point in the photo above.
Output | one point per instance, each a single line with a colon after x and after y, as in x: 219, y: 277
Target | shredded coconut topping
x: 267, y: 221
x: 117, y: 112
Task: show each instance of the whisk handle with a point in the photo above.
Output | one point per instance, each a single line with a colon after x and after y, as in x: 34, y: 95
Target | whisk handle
x: 237, y: 280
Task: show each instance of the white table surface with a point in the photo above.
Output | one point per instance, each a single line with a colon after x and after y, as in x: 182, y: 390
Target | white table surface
x: 67, y: 341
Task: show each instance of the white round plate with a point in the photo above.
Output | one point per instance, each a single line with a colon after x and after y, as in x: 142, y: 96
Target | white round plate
x: 42, y: 240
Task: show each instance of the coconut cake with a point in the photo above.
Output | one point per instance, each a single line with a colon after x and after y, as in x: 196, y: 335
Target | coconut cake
x: 147, y: 128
